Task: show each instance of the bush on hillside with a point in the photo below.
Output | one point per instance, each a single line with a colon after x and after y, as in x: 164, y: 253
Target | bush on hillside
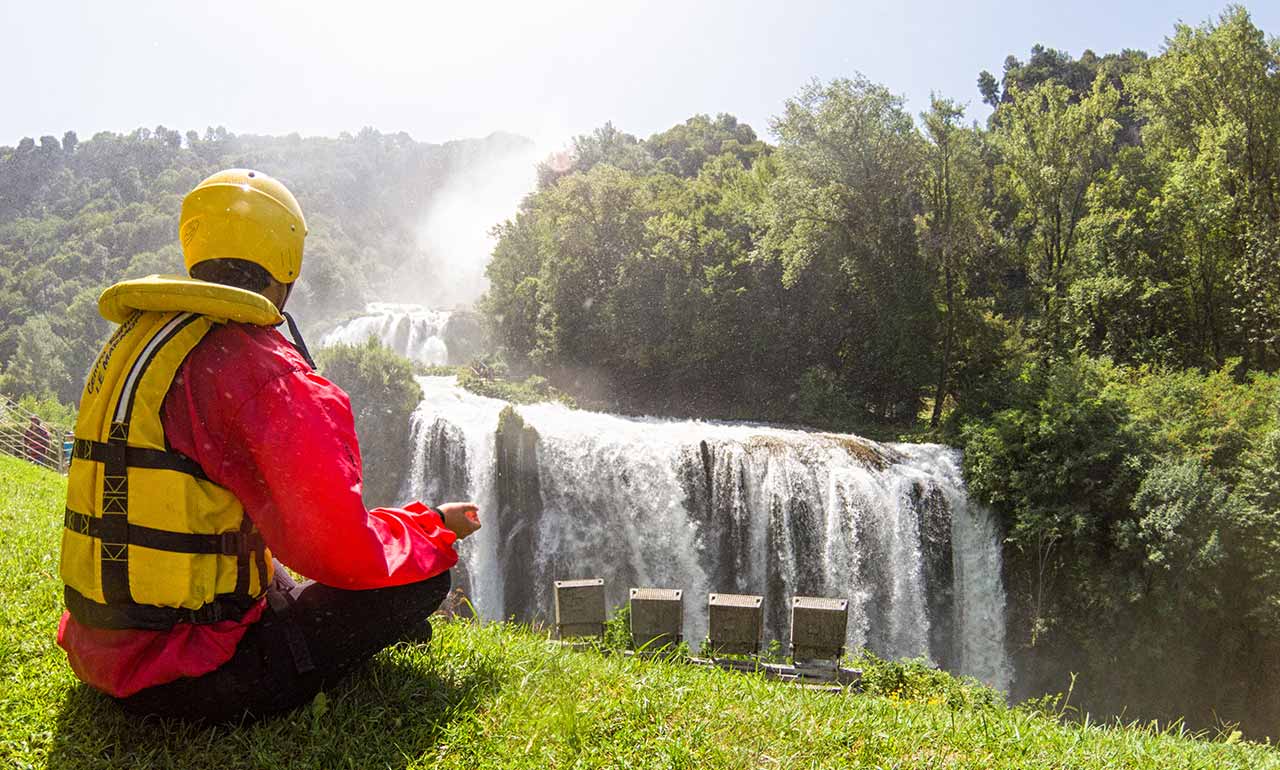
x: 383, y: 396
x: 532, y: 390
x: 1057, y: 465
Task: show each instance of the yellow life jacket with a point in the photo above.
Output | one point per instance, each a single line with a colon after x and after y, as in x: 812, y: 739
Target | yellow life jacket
x: 149, y: 541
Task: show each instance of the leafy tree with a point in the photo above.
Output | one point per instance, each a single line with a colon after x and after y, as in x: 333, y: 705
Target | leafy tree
x: 1257, y: 498
x: 1181, y: 511
x: 513, y: 302
x: 1211, y: 103
x: 599, y: 221
x: 1124, y: 301
x: 1048, y: 65
x: 954, y: 227
x: 1051, y: 151
x: 699, y: 139
x: 38, y: 364
x: 845, y: 204
x: 605, y: 145
x: 1056, y: 463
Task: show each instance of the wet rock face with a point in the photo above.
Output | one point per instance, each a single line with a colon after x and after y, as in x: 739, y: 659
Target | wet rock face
x: 519, y: 510
x: 935, y: 522
x: 445, y: 463
x: 715, y: 496
x: 442, y: 464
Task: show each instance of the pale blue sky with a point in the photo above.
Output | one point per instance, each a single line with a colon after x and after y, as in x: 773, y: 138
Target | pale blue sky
x: 545, y: 69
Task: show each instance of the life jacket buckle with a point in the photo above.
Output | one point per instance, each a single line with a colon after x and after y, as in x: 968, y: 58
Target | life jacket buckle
x: 209, y: 613
x: 229, y: 543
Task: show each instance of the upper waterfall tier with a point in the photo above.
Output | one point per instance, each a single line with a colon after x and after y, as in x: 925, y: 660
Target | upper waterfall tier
x: 413, y: 331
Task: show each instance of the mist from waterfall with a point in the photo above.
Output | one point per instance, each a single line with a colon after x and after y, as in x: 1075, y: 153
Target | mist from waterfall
x: 455, y: 233
x: 726, y: 507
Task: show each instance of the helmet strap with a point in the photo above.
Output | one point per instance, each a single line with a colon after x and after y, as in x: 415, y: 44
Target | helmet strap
x: 298, y: 343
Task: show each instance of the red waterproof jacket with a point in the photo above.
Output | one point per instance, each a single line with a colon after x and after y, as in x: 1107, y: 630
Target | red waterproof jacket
x: 249, y: 410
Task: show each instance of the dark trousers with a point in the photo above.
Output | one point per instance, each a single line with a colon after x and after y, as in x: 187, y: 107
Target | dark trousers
x: 310, y: 636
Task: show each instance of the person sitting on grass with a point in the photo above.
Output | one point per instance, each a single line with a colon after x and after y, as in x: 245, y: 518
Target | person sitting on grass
x: 206, y: 447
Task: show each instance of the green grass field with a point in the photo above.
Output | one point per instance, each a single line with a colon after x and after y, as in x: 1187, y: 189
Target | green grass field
x: 497, y: 695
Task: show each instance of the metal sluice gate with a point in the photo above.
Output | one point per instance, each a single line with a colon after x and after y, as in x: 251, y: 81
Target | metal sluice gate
x: 735, y: 629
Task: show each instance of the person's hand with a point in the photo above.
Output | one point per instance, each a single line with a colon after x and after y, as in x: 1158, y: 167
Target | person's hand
x: 460, y: 518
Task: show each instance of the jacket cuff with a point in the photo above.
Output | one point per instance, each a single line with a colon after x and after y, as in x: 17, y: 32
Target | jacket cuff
x: 443, y: 535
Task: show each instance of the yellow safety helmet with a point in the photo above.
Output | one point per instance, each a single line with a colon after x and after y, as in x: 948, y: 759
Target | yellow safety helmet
x: 243, y: 214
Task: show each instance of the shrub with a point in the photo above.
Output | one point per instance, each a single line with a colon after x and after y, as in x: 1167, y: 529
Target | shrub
x: 1182, y: 514
x: 532, y: 390
x: 1060, y: 464
x: 1141, y: 506
x: 916, y: 679
x: 383, y: 395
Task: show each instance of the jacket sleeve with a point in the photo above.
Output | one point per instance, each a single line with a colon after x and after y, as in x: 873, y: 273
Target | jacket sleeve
x: 298, y: 473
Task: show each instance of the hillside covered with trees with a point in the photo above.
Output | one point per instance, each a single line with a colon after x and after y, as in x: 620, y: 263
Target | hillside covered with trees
x: 77, y: 216
x: 1083, y: 293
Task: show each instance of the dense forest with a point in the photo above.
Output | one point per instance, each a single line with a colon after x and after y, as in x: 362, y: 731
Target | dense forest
x: 1083, y: 294
x: 1082, y: 291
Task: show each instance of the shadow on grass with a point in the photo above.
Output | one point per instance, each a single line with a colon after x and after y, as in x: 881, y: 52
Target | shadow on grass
x: 389, y: 713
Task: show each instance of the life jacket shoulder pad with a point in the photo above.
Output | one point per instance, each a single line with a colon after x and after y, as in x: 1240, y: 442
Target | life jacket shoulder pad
x: 177, y: 293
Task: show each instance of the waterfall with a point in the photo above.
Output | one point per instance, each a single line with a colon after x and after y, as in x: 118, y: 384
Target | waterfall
x: 728, y: 507
x: 413, y: 331
x: 454, y: 438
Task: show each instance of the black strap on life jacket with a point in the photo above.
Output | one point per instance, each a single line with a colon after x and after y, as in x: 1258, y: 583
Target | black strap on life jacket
x: 139, y: 457
x: 117, y: 533
x: 231, y: 543
x: 152, y: 617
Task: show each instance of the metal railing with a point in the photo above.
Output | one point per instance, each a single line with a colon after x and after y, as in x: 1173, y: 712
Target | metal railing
x: 25, y: 435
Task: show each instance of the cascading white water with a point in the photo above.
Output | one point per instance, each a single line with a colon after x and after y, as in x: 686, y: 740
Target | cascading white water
x: 413, y: 331
x: 978, y: 588
x: 453, y: 436
x: 725, y: 507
